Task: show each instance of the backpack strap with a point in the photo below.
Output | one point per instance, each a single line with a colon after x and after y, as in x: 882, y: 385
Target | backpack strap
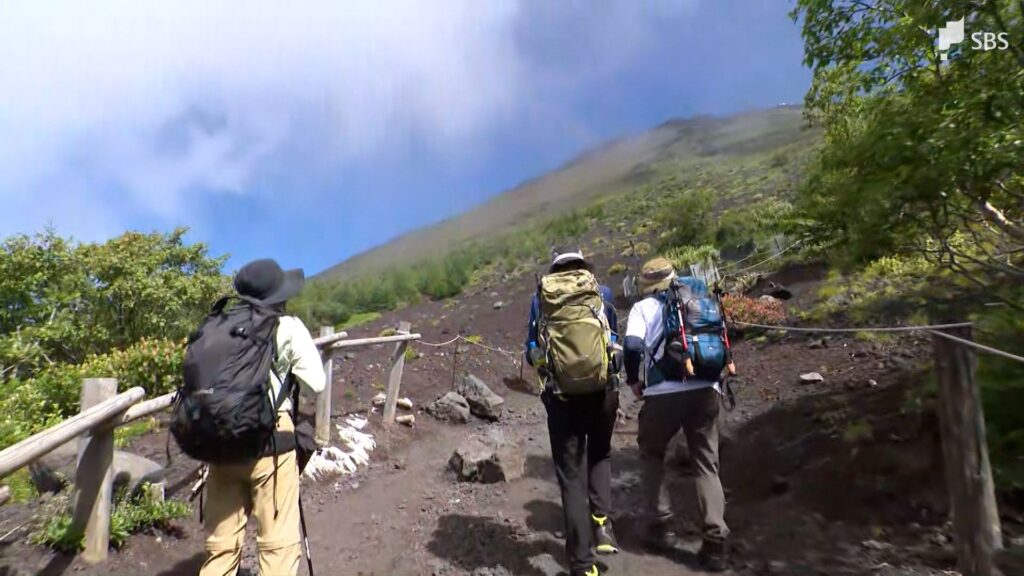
x: 219, y: 305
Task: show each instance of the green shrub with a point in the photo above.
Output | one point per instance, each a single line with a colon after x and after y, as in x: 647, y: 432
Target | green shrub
x: 640, y: 249
x: 123, y: 435
x: 857, y: 432
x: 891, y: 286
x: 567, y: 227
x: 754, y: 224
x: 21, y: 486
x: 616, y: 269
x: 130, y: 516
x: 689, y: 218
x: 32, y: 405
x: 357, y: 320
x: 685, y: 256
x: 411, y: 354
x: 387, y: 332
x: 61, y: 302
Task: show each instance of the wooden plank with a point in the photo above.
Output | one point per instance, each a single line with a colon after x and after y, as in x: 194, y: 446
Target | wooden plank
x: 395, y: 374
x: 94, y: 476
x: 323, y: 399
x: 977, y: 532
x: 376, y: 340
x: 148, y: 408
x: 30, y: 449
x: 331, y: 337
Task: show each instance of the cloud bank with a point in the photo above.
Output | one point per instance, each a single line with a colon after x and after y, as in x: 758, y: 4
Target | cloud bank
x: 116, y: 112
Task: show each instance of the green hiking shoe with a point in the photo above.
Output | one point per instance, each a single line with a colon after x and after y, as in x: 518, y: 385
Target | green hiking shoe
x: 604, y: 537
x: 592, y: 572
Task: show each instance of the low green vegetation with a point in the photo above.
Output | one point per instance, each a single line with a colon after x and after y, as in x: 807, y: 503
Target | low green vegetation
x: 21, y: 486
x: 53, y: 393
x: 857, y: 432
x: 356, y: 320
x: 123, y: 435
x: 685, y: 256
x: 616, y: 269
x: 131, y: 515
x: 411, y: 354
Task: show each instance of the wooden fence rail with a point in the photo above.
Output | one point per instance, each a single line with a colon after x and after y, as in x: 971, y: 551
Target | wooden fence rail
x: 103, y: 409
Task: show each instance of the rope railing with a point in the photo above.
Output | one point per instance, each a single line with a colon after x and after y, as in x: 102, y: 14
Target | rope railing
x: 934, y: 329
x: 849, y: 330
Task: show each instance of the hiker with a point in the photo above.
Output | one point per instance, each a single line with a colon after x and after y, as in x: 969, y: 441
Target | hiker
x: 681, y: 391
x: 581, y: 397
x: 249, y: 355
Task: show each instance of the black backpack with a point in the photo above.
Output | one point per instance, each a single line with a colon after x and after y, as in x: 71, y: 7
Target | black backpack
x: 223, y: 412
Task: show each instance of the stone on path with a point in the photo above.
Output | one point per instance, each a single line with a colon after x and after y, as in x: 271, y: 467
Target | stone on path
x: 488, y: 458
x: 451, y: 407
x: 483, y: 402
x: 811, y: 378
x: 57, y: 469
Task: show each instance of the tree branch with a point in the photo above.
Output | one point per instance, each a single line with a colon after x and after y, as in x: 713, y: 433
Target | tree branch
x: 996, y: 216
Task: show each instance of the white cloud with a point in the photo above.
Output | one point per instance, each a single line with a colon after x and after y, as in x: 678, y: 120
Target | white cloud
x: 126, y: 107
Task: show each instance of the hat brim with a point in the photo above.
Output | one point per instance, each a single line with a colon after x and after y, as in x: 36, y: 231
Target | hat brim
x: 659, y: 286
x: 294, y: 280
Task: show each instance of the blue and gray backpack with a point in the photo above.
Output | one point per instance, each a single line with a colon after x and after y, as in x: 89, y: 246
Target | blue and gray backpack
x: 694, y: 329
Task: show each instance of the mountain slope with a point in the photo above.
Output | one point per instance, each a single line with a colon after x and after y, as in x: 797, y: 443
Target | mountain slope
x: 614, y: 167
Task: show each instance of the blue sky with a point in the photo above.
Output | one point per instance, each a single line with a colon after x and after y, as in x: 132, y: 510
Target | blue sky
x: 311, y: 131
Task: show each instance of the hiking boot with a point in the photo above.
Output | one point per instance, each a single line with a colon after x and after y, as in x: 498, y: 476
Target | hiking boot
x: 712, y: 557
x: 659, y: 537
x: 592, y: 572
x: 604, y: 537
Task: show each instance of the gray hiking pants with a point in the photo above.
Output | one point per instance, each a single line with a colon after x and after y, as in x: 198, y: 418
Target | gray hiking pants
x: 695, y: 412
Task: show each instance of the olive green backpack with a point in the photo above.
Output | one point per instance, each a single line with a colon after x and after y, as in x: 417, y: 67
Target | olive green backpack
x: 574, y: 332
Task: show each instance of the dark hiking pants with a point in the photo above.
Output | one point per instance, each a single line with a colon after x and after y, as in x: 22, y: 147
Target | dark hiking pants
x: 695, y: 412
x: 581, y: 428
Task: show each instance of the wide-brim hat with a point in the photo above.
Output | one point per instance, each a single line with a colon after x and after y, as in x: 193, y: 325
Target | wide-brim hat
x: 656, y: 276
x: 565, y: 255
x: 264, y: 282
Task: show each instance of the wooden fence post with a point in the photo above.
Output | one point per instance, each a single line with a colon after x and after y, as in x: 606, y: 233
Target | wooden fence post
x: 395, y: 374
x: 323, y: 400
x: 94, y: 476
x: 977, y: 533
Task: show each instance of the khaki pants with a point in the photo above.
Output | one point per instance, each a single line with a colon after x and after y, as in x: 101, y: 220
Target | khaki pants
x: 662, y: 416
x: 236, y: 490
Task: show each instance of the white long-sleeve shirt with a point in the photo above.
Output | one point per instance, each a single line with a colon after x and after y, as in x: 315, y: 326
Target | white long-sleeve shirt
x: 646, y: 323
x: 296, y: 353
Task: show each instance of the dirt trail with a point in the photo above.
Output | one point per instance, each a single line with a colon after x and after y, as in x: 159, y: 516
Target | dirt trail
x: 842, y: 477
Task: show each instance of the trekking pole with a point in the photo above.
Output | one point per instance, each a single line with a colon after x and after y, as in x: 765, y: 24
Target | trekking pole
x: 305, y: 537
x: 730, y: 363
x: 688, y: 362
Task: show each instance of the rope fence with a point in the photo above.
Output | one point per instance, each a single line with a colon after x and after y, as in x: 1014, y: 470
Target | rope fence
x: 935, y: 329
x: 854, y: 330
x: 471, y: 342
x: 726, y: 268
x: 978, y: 346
